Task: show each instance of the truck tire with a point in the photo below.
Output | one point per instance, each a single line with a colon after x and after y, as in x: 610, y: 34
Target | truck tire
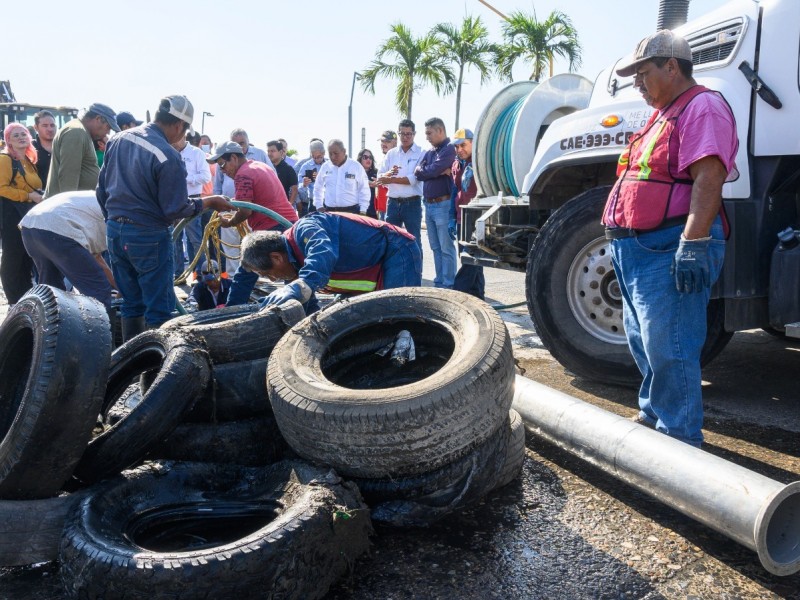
x: 55, y: 349
x: 575, y: 302
x: 183, y: 374
x: 238, y: 333
x: 250, y: 442
x: 338, y: 403
x: 190, y: 531
x: 30, y: 530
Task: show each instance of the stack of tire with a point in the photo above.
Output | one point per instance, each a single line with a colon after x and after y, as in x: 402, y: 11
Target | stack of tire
x: 421, y: 439
x: 167, y: 529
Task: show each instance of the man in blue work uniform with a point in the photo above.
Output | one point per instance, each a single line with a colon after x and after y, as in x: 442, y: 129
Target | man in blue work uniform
x: 339, y: 252
x: 434, y: 173
x: 141, y: 191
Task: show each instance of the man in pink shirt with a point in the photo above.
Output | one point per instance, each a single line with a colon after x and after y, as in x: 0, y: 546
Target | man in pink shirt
x: 254, y: 182
x: 666, y: 226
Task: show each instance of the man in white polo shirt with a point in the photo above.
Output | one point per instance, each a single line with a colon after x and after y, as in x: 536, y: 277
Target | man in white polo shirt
x: 341, y: 184
x: 404, y: 204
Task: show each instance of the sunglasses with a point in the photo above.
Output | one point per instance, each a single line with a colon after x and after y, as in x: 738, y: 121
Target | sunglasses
x: 222, y: 164
x: 367, y: 156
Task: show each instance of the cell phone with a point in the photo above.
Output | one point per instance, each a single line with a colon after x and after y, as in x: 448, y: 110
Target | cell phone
x: 311, y: 174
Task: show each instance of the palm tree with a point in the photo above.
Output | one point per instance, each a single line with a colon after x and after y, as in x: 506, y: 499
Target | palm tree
x: 418, y: 63
x: 538, y: 42
x: 465, y: 47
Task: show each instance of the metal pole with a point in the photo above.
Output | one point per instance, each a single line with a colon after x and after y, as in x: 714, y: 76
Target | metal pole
x: 758, y: 512
x: 350, y: 116
x: 203, y: 123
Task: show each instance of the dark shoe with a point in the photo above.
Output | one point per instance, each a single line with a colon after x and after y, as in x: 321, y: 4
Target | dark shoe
x: 131, y: 327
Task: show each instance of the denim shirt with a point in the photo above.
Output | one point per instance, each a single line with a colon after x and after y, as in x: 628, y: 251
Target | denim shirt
x: 431, y: 170
x: 144, y: 179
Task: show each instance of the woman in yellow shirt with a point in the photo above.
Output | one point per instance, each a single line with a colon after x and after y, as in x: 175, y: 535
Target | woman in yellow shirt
x: 20, y: 189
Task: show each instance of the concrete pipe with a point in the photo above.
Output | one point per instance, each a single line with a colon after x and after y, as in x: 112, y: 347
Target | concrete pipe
x: 758, y: 512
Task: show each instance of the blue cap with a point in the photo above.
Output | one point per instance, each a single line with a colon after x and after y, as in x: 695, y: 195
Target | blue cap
x: 461, y: 136
x: 126, y: 118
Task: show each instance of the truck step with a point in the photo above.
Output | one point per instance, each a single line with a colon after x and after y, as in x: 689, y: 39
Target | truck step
x: 793, y: 330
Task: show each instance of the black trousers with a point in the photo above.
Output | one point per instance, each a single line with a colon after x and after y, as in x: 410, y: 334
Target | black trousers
x: 469, y: 278
x: 16, y: 267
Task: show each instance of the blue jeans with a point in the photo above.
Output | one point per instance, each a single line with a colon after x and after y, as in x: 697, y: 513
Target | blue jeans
x: 142, y: 262
x: 407, y: 215
x: 665, y: 328
x: 445, y: 259
x: 56, y: 256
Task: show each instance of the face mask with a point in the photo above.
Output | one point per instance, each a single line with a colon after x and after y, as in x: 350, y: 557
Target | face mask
x: 205, y: 148
x: 209, y: 277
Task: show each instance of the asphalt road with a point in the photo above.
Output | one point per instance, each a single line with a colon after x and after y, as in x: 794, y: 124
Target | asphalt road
x: 566, y: 529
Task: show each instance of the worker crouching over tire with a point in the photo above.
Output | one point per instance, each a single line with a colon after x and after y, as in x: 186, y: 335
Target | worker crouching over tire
x: 338, y: 252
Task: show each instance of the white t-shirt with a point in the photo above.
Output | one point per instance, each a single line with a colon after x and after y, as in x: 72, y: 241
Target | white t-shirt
x: 74, y: 215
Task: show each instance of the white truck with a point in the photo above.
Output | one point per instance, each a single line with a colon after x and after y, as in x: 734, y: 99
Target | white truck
x: 547, y: 221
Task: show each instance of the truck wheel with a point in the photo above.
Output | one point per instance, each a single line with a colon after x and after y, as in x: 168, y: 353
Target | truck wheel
x: 575, y: 301
x: 190, y: 530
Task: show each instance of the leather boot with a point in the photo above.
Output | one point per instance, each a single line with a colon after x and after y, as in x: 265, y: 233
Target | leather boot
x: 113, y: 321
x: 131, y: 327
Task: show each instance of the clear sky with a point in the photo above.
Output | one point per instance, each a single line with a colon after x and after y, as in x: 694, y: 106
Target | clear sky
x: 278, y: 69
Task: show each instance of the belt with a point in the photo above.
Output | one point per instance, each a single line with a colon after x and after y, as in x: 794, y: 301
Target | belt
x: 436, y: 200
x: 618, y: 233
x: 406, y: 199
x: 124, y: 220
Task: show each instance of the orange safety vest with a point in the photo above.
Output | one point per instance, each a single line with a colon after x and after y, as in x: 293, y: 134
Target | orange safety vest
x: 647, y: 171
x: 359, y: 281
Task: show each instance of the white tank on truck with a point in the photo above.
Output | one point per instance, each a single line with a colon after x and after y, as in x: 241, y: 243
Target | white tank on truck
x: 547, y: 221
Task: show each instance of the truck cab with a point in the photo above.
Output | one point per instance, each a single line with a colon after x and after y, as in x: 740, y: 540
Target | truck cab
x: 750, y: 52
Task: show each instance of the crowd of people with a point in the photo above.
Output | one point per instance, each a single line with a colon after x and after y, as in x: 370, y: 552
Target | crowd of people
x: 93, y: 205
x: 69, y: 199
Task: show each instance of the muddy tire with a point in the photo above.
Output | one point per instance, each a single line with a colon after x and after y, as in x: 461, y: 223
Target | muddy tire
x: 338, y: 403
x: 479, y: 474
x: 55, y: 350
x: 238, y: 391
x: 251, y: 443
x: 30, y: 530
x: 239, y: 333
x: 515, y: 452
x: 441, y: 486
x: 575, y: 302
x: 183, y: 374
x: 208, y: 531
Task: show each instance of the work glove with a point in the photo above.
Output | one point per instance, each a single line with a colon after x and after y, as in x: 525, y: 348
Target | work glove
x: 452, y: 229
x: 290, y: 291
x: 690, y: 266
